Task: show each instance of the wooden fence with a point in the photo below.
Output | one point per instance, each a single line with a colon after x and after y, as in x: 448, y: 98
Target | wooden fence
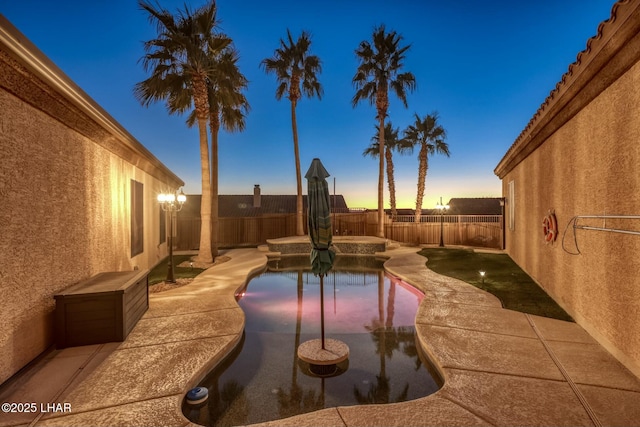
x: 469, y: 230
x: 237, y: 232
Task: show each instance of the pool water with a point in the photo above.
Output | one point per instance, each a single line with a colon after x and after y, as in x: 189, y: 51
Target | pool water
x: 369, y: 310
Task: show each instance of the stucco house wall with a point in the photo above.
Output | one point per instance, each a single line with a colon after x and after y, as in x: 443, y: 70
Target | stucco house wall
x: 66, y: 169
x: 580, y: 155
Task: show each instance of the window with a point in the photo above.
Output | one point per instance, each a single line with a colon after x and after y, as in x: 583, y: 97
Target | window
x: 137, y: 218
x: 511, y: 201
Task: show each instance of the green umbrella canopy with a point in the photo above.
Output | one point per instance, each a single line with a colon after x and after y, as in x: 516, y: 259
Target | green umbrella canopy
x: 319, y: 218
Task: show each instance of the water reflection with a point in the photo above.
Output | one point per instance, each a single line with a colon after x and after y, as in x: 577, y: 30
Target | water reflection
x: 264, y: 380
x: 387, y: 340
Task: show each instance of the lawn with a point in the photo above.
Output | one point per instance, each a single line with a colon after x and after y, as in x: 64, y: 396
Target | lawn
x: 159, y: 272
x: 503, y: 278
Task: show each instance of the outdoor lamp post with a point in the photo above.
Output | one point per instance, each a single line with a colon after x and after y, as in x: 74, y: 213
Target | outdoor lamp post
x: 442, y: 208
x: 171, y: 203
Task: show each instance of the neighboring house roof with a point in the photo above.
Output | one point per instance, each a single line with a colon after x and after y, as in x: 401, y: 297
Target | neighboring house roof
x: 461, y: 206
x: 234, y: 206
x: 475, y: 206
x: 408, y: 211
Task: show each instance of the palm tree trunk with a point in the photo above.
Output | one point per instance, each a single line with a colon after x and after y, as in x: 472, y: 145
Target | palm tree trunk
x: 296, y: 152
x: 380, y: 232
x: 204, y: 252
x: 422, y: 175
x: 215, y: 126
x: 201, y: 103
x: 392, y: 183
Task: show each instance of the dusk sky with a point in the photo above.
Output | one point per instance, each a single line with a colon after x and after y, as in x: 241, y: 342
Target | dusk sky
x: 484, y: 66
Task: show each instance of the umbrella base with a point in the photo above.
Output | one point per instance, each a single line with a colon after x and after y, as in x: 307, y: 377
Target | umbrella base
x: 323, y: 370
x: 321, y: 359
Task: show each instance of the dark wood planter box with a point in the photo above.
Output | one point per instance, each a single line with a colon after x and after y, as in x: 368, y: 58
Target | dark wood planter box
x: 104, y: 308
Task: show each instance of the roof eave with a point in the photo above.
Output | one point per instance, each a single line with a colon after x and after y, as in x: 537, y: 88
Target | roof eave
x: 618, y: 34
x: 36, y: 62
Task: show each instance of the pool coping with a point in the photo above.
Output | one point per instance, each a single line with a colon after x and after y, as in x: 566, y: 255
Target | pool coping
x: 499, y: 367
x: 348, y: 245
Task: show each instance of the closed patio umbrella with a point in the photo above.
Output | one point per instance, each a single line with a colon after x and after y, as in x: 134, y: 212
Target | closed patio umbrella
x: 319, y: 218
x: 322, y: 358
x: 319, y: 222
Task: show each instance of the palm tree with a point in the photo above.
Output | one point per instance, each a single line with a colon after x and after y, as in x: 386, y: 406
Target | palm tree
x: 391, y: 143
x: 228, y: 108
x: 430, y: 135
x: 179, y: 63
x: 379, y: 71
x: 297, y: 73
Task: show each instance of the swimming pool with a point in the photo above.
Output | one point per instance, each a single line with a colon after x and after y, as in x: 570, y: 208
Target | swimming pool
x: 369, y: 310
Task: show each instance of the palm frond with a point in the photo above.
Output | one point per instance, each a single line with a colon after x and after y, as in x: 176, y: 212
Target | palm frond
x: 295, y: 68
x: 427, y: 132
x: 379, y: 68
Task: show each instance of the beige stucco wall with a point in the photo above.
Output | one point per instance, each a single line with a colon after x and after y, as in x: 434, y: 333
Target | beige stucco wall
x: 65, y: 203
x: 590, y: 165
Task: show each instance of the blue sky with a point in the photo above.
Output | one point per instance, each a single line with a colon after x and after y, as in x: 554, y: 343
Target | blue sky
x: 484, y: 66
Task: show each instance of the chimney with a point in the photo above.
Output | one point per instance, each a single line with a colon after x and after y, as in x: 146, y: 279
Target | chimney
x: 256, y: 196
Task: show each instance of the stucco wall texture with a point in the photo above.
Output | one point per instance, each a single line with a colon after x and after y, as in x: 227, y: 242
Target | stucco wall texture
x: 65, y: 216
x: 589, y: 166
x: 65, y: 196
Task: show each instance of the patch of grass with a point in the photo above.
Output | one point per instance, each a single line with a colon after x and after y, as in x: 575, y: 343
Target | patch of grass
x: 159, y: 272
x: 504, y: 279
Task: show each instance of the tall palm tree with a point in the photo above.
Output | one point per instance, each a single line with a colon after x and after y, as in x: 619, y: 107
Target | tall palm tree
x: 379, y: 71
x: 228, y: 108
x: 179, y: 63
x: 297, y: 73
x: 391, y: 143
x: 430, y: 136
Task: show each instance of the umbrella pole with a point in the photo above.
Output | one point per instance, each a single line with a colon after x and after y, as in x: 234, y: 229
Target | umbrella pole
x: 322, y: 309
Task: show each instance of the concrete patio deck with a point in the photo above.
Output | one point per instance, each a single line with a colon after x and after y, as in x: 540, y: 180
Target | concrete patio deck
x: 500, y: 367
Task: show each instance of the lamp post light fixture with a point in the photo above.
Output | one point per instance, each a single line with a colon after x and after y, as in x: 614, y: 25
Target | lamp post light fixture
x: 171, y: 203
x: 482, y: 273
x: 441, y: 208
